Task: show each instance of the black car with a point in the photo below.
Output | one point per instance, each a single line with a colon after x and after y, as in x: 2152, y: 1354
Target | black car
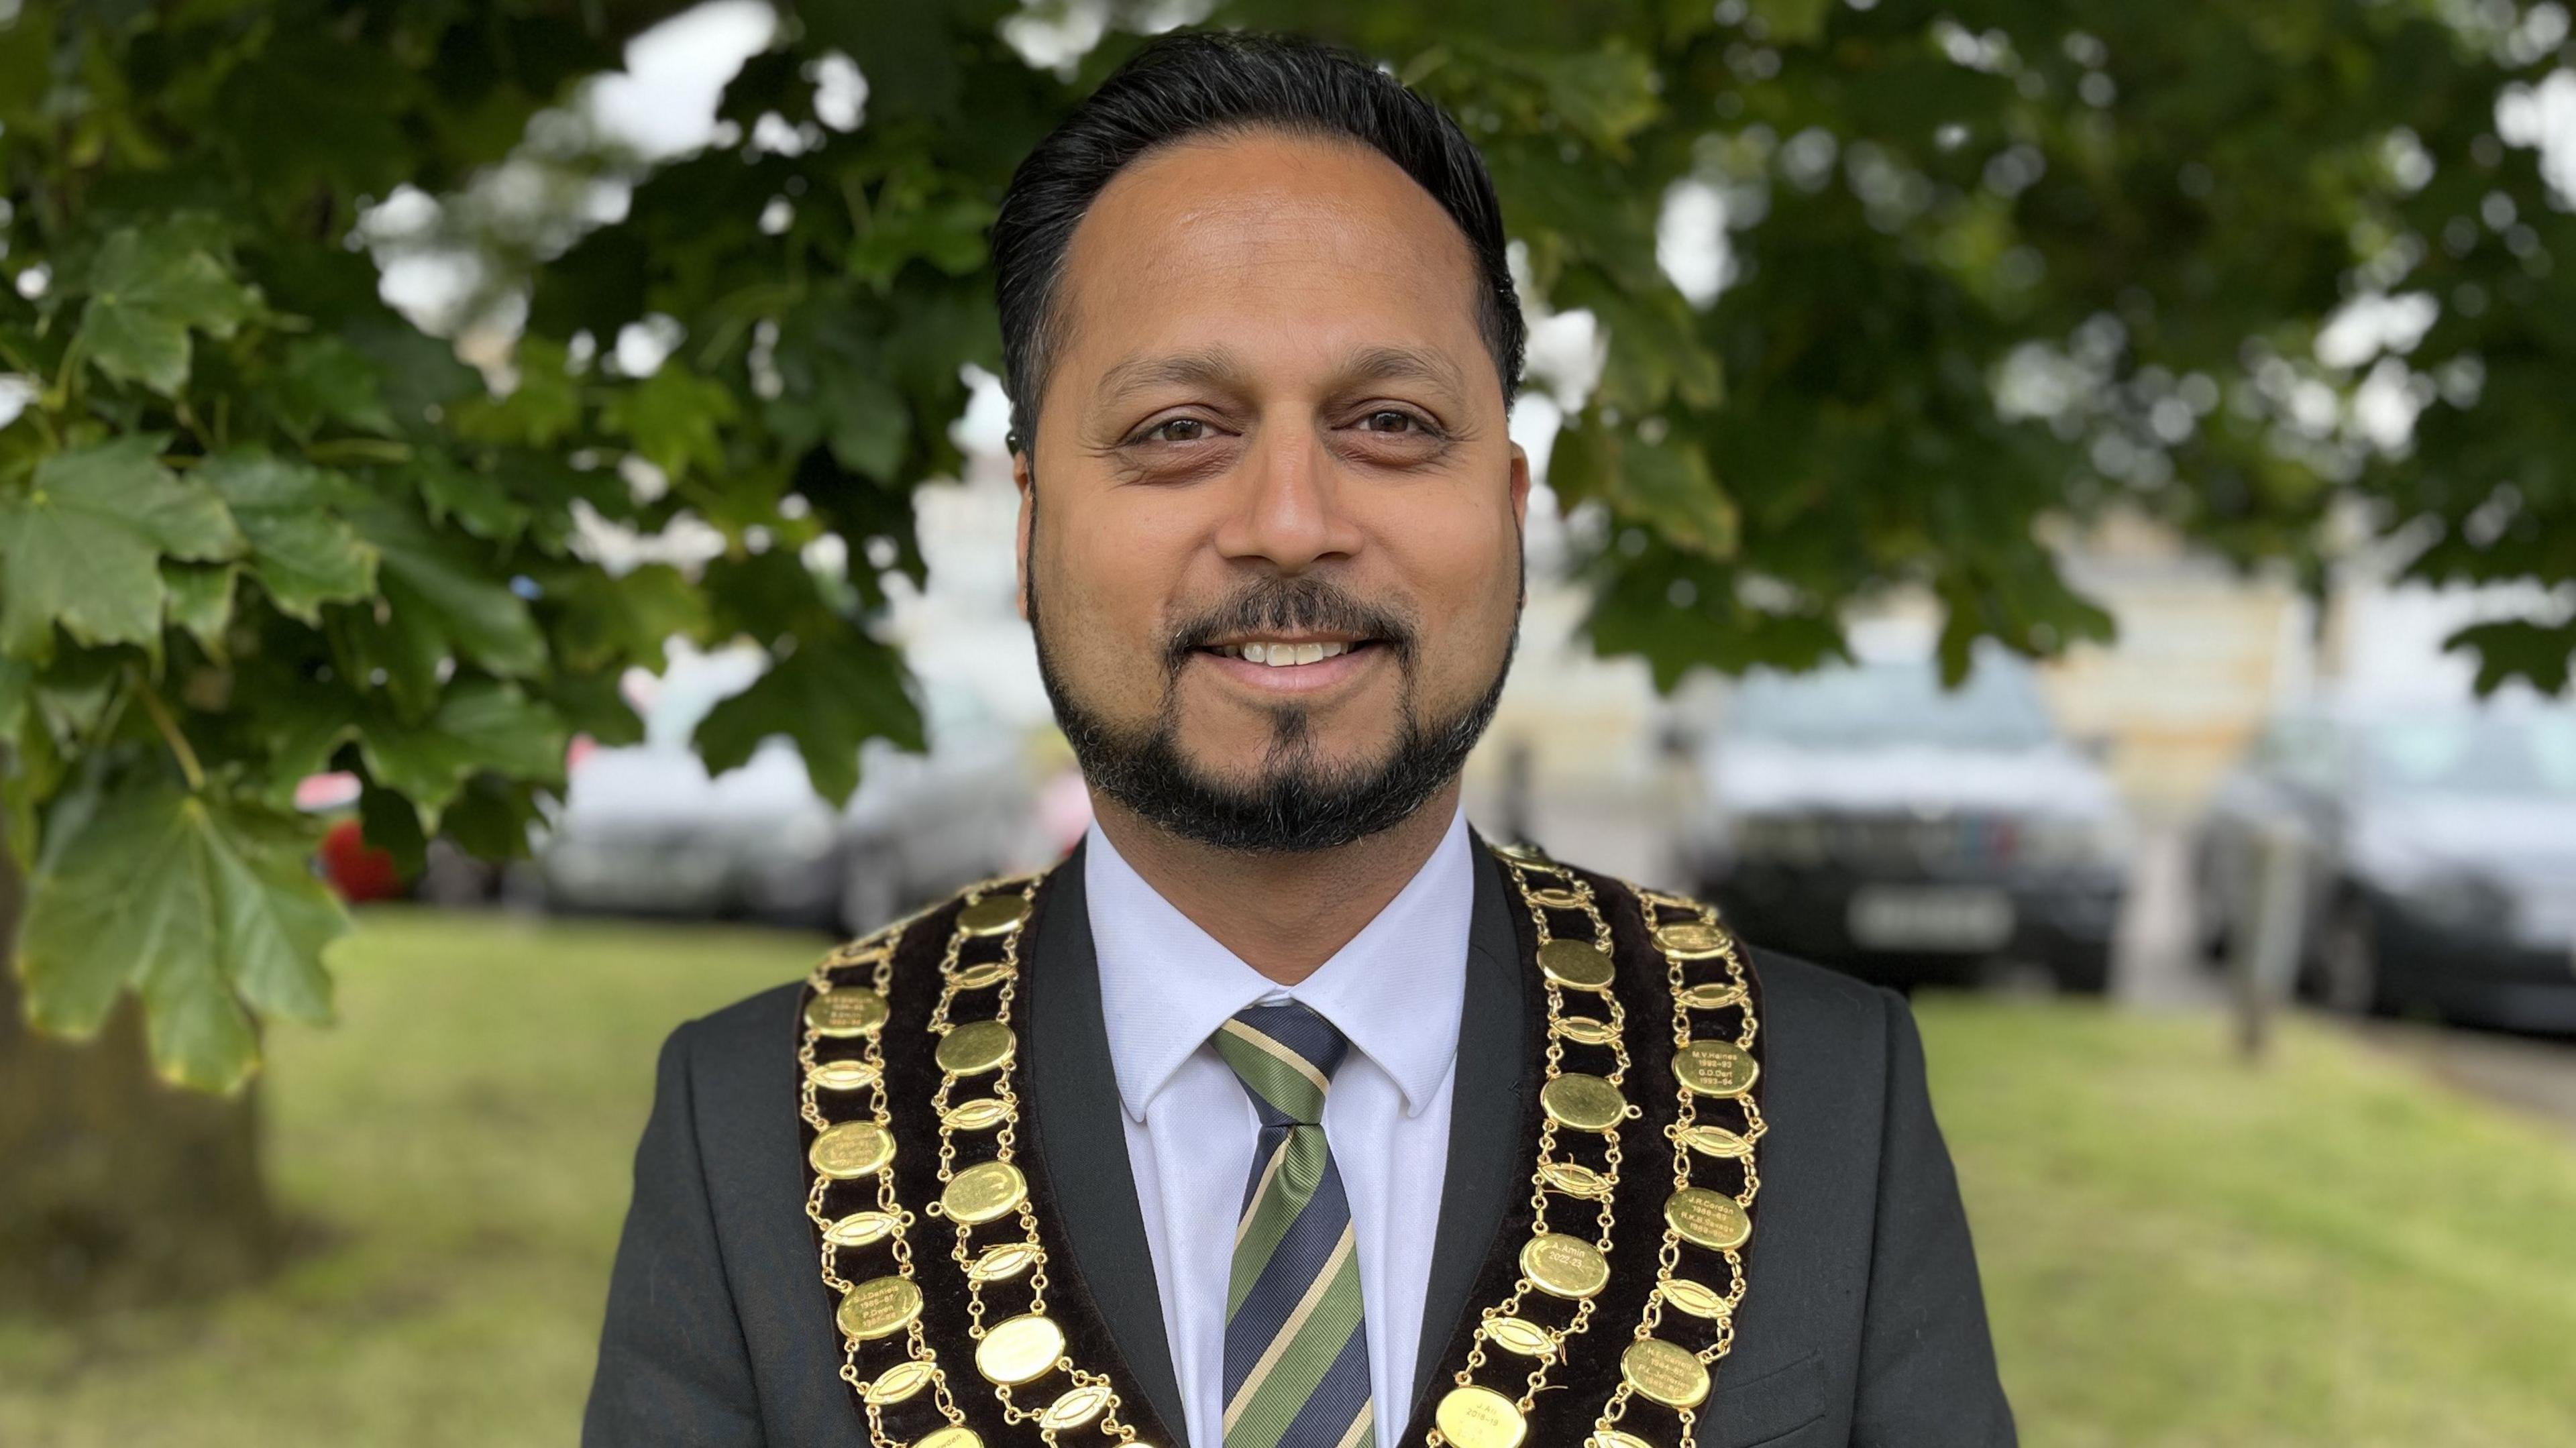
x: 1866, y: 817
x: 2439, y: 853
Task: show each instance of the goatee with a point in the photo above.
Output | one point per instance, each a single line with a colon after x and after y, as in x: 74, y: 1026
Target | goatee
x: 1297, y: 803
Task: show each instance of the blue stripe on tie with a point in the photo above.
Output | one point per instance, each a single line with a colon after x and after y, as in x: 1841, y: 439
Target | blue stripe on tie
x: 1336, y: 1401
x: 1284, y: 1279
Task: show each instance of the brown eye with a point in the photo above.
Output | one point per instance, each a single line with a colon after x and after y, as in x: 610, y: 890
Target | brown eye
x: 1178, y: 429
x: 1387, y: 419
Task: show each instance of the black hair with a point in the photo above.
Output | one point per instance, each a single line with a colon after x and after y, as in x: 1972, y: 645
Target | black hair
x: 1199, y: 83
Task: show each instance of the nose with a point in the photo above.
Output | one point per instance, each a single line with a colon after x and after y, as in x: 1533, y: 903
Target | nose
x: 1290, y: 510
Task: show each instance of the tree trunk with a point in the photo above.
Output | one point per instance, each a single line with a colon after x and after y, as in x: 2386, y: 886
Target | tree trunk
x: 115, y: 1186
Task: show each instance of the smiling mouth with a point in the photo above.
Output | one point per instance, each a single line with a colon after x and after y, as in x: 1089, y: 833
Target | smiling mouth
x: 1285, y: 653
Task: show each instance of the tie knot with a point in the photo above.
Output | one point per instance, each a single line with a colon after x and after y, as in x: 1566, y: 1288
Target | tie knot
x: 1285, y: 1056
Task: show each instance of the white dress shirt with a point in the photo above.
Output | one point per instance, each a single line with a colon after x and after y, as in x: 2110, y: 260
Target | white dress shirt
x: 1395, y: 990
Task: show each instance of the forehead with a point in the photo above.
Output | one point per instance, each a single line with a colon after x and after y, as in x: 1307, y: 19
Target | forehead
x: 1269, y: 242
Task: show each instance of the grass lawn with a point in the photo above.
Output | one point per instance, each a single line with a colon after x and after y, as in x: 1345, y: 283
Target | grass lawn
x: 2178, y: 1251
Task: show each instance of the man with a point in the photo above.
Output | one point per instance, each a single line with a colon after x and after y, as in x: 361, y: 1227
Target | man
x: 1286, y: 1113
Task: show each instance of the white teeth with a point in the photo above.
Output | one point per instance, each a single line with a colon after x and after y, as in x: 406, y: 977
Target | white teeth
x: 1285, y: 655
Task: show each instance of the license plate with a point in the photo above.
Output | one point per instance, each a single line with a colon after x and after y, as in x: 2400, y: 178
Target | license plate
x: 1886, y: 917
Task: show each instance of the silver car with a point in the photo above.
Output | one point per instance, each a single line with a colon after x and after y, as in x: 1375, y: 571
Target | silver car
x: 645, y: 829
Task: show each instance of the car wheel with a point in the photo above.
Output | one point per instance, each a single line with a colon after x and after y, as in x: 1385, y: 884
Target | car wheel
x: 871, y: 890
x: 2349, y: 974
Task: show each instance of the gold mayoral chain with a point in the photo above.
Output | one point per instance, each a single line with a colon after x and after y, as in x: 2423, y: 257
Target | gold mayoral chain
x: 1569, y: 1268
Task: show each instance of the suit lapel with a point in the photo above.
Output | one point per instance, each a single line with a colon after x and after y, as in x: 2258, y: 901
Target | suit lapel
x: 1081, y: 1140
x: 1485, y: 1119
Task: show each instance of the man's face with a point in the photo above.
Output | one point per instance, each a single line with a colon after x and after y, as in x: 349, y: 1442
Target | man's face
x: 1272, y: 544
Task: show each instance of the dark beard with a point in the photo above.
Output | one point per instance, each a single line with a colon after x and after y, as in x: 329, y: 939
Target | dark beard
x: 1297, y: 805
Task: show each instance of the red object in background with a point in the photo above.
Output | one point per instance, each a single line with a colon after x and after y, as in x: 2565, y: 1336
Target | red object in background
x: 357, y: 870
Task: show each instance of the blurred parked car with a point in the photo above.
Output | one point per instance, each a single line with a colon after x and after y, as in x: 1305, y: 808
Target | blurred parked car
x: 2440, y: 853
x: 644, y: 829
x: 1865, y: 817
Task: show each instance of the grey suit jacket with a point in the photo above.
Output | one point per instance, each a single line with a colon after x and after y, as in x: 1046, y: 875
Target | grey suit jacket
x: 1865, y: 1324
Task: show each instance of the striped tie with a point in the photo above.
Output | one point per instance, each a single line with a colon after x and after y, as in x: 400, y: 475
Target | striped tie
x: 1296, y: 1352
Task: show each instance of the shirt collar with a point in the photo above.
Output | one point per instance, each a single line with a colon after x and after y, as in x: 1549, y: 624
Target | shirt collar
x: 1395, y: 989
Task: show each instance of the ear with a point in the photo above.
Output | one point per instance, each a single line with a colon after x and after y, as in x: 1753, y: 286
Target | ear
x: 1022, y: 479
x: 1520, y: 487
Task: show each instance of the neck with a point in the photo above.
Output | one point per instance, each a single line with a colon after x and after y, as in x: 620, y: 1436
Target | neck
x: 1282, y: 914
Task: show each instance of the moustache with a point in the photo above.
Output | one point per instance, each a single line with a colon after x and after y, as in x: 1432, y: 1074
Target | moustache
x: 1291, y: 605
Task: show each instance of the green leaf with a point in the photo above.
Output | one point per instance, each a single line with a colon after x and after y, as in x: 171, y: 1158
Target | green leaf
x: 444, y: 597
x: 201, y: 600
x: 480, y: 724
x: 304, y: 554
x: 540, y: 411
x: 202, y: 906
x: 1665, y: 484
x: 299, y: 730
x: 147, y: 289
x: 870, y: 426
x: 326, y: 380
x: 472, y: 497
x: 624, y: 618
x: 1670, y: 486
x: 83, y: 547
x: 1793, y: 21
x: 674, y: 419
x: 830, y: 695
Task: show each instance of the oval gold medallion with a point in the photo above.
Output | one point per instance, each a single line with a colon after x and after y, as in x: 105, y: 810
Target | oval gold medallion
x: 900, y: 1382
x: 851, y: 1149
x: 841, y: 1075
x: 1711, y: 995
x: 879, y: 1307
x: 983, y: 1192
x: 980, y: 1114
x: 1586, y: 1103
x: 1521, y: 850
x: 1019, y: 1351
x: 955, y: 1435
x: 1006, y: 1261
x: 1690, y: 939
x: 1577, y: 964
x: 1696, y: 1298
x: 1672, y: 1376
x: 860, y: 1229
x: 1715, y: 1068
x: 994, y: 915
x: 841, y: 1014
x: 975, y: 1048
x: 1574, y: 1179
x: 1616, y: 1439
x: 1556, y: 899
x: 1716, y: 1141
x: 1564, y: 1266
x: 1077, y: 1407
x: 1473, y: 1417
x: 976, y: 977
x: 1708, y: 1219
x: 1520, y: 1335
x: 1585, y: 1029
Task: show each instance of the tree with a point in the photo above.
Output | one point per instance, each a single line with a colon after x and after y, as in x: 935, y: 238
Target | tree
x: 1987, y: 266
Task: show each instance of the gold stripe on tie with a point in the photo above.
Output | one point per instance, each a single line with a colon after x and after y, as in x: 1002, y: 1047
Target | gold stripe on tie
x: 1278, y: 1348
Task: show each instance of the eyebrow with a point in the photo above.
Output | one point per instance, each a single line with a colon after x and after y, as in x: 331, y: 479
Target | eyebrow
x: 1222, y: 368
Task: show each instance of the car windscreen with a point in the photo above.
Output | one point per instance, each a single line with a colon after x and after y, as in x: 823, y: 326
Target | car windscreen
x: 1880, y: 705
x: 2523, y: 754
